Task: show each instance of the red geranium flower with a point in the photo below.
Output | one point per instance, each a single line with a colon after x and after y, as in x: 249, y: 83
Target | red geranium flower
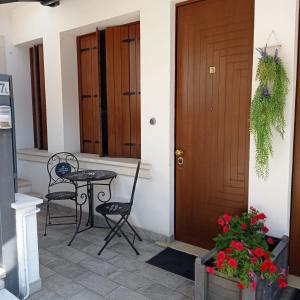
x: 228, y: 250
x: 210, y: 270
x: 232, y: 263
x: 219, y: 264
x: 221, y: 256
x: 225, y: 229
x: 270, y: 241
x: 272, y: 268
x: 240, y: 286
x: 265, y: 229
x: 227, y: 218
x: 261, y: 216
x: 259, y: 252
x: 264, y: 266
x: 254, y: 260
x: 253, y: 221
x: 282, y: 283
x: 253, y: 285
x: 237, y: 246
x: 244, y: 226
x: 221, y: 222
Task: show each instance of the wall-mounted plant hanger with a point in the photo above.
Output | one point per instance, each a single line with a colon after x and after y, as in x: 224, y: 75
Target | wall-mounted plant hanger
x: 268, y: 104
x: 272, y: 41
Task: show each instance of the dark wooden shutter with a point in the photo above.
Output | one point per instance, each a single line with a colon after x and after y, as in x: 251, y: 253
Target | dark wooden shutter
x: 89, y: 93
x: 38, y: 97
x: 123, y: 90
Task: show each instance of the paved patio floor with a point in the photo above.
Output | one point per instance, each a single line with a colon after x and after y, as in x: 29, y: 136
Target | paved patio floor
x: 78, y: 273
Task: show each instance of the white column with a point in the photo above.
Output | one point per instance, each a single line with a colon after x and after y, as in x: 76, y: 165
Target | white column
x: 273, y: 196
x: 27, y: 241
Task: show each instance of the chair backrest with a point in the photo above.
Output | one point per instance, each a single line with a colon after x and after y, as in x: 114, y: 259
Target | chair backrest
x: 59, y: 165
x: 135, y: 181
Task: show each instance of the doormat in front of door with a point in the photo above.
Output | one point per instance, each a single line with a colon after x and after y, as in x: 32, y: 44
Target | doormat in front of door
x: 175, y: 261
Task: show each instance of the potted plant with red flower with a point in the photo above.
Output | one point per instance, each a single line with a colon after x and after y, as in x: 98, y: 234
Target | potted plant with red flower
x: 245, y: 264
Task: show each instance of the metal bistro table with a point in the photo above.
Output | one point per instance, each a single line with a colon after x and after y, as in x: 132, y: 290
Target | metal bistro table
x: 92, y: 178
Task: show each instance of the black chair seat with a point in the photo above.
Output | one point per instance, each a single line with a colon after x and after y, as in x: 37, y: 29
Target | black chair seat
x: 114, y: 208
x: 64, y: 195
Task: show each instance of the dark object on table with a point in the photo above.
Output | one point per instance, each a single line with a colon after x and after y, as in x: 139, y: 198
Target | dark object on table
x: 89, y: 177
x: 122, y: 209
x: 208, y: 286
x: 174, y: 261
x: 58, y: 166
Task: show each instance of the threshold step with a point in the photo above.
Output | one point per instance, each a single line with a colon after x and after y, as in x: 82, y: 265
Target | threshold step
x: 6, y: 295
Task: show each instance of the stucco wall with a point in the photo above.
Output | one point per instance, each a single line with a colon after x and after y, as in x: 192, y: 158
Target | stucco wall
x: 32, y: 21
x: 17, y: 65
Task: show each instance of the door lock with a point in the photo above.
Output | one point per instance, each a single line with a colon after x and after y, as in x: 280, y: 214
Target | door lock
x: 180, y: 161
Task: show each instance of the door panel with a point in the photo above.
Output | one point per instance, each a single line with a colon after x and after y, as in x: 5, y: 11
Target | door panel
x: 295, y: 209
x: 214, y: 74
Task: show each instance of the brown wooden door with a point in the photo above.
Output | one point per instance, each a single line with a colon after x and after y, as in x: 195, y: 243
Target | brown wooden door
x: 214, y: 73
x: 89, y: 93
x: 123, y: 90
x: 38, y: 97
x: 295, y: 208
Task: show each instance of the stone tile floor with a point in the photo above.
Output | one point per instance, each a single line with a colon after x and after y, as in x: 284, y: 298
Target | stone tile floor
x: 78, y: 273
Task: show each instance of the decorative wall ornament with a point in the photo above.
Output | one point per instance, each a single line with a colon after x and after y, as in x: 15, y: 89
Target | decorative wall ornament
x: 267, y: 108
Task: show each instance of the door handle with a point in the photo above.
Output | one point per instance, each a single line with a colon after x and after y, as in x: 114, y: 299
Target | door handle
x: 178, y: 152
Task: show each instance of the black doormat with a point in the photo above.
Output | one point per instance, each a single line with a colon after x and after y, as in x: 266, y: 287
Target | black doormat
x: 297, y: 295
x: 174, y: 261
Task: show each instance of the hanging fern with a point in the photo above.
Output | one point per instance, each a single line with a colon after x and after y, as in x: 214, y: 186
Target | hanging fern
x: 267, y: 108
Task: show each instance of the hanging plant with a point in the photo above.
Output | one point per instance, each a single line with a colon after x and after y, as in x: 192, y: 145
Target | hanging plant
x: 267, y: 108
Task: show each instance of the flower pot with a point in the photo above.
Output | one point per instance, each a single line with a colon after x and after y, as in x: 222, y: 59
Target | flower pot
x: 217, y: 287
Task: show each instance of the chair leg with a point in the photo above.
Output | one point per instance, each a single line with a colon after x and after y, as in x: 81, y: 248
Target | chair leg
x: 47, y: 214
x: 110, y: 226
x: 112, y: 233
x: 129, y: 242
x: 133, y: 229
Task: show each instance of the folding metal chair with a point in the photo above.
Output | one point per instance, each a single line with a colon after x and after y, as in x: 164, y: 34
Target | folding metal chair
x: 122, y: 209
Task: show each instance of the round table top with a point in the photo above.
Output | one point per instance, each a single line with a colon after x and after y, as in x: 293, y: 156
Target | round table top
x: 90, y: 175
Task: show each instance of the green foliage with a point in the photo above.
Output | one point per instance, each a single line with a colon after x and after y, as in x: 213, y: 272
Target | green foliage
x: 267, y: 108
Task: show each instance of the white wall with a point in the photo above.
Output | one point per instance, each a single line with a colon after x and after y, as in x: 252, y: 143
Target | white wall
x: 33, y: 21
x: 273, y: 195
x: 2, y: 55
x: 17, y: 65
x: 157, y: 17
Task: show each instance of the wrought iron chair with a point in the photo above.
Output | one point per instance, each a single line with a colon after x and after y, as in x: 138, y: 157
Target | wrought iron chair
x: 122, y: 209
x: 58, y: 166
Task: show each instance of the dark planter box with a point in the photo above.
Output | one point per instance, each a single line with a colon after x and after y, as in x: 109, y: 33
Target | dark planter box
x: 210, y: 287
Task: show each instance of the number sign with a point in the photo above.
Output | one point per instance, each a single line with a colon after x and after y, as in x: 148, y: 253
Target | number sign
x: 4, y: 88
